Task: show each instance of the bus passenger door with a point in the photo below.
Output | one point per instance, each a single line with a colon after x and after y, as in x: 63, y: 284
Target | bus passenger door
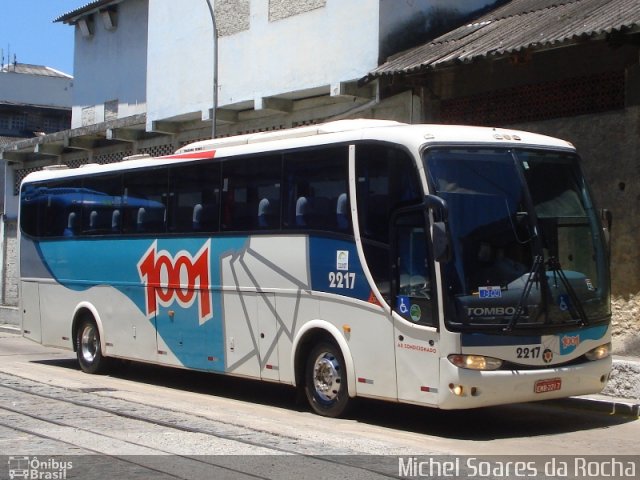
x: 415, y: 313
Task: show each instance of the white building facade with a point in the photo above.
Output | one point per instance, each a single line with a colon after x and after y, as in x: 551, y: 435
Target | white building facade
x: 157, y: 56
x: 35, y: 85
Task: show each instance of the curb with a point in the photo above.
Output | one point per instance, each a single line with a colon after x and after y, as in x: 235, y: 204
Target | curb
x: 609, y: 406
x: 5, y: 328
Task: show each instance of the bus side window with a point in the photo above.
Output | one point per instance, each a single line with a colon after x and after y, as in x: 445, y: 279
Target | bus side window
x: 101, y: 203
x: 59, y: 208
x: 315, y: 193
x: 145, y: 197
x: 194, y: 193
x: 251, y: 193
x: 386, y: 180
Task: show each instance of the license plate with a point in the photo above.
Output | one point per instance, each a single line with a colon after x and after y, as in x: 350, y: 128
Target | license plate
x: 550, y: 385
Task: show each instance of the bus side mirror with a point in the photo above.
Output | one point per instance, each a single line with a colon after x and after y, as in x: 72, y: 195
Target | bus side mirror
x: 440, y: 230
x: 441, y: 244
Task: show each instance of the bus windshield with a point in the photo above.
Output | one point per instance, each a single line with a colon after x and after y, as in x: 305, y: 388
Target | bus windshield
x: 526, y: 243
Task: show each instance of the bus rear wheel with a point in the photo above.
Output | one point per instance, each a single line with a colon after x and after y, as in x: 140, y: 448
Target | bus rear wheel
x: 326, y: 380
x: 88, y: 349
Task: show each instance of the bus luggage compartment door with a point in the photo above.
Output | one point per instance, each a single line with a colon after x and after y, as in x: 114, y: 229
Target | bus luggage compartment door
x: 30, y: 309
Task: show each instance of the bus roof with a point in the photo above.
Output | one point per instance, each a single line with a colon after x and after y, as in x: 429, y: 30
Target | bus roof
x: 340, y: 131
x: 383, y: 128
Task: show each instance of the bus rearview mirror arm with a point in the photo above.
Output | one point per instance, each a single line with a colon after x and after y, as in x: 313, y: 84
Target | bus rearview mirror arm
x: 606, y: 218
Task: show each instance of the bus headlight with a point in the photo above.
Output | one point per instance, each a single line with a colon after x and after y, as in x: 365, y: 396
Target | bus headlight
x: 598, y: 353
x: 475, y: 362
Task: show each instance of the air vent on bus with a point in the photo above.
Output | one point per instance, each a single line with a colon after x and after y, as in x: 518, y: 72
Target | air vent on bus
x: 55, y: 167
x: 137, y: 156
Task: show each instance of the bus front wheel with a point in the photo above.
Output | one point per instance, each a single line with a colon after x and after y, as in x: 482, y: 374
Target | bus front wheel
x: 88, y: 349
x: 326, y: 380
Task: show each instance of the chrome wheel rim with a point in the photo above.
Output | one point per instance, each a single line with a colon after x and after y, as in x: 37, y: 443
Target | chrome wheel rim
x: 326, y: 376
x: 89, y: 344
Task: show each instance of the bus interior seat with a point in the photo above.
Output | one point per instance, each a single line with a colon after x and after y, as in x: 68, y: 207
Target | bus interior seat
x: 72, y: 225
x: 268, y: 213
x: 93, y: 220
x: 205, y: 217
x: 342, y: 212
x: 99, y: 221
x: 141, y: 219
x: 150, y: 219
x: 302, y: 208
x: 115, y: 220
x: 313, y: 211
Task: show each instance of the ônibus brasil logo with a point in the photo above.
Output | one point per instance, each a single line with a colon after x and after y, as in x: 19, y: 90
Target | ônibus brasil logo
x: 182, y: 278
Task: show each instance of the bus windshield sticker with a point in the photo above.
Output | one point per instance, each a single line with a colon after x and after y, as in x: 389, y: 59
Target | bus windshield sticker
x: 416, y: 312
x: 564, y: 302
x: 490, y: 292
x: 403, y: 305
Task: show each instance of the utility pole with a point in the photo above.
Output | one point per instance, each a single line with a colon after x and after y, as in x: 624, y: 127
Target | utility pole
x: 215, y: 69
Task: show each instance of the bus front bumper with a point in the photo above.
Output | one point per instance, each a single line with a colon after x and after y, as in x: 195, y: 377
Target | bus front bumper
x: 461, y: 388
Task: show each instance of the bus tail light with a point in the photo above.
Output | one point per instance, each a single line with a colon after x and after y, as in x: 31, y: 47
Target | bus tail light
x: 475, y: 362
x: 598, y: 353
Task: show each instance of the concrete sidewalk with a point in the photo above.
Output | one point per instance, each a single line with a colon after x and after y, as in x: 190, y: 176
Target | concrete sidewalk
x: 621, y: 396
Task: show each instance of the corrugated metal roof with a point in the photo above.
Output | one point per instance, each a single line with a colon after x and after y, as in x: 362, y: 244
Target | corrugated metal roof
x: 85, y: 9
x: 519, y: 25
x: 28, y: 69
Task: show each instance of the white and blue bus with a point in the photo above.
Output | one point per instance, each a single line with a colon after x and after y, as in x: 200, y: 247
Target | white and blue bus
x: 445, y: 266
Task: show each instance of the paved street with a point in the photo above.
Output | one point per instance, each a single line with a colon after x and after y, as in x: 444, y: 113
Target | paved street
x: 49, y: 407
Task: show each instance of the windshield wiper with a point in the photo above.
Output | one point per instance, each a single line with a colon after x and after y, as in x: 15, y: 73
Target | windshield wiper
x: 531, y: 278
x: 574, y: 302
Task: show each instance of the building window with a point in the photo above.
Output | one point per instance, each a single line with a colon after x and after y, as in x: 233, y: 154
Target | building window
x: 50, y: 124
x: 18, y: 122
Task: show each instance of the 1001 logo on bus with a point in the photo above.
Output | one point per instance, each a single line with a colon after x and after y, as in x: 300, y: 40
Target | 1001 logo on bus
x: 181, y: 278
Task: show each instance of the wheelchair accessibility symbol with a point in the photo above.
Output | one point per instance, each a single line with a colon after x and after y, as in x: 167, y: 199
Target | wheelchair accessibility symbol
x: 403, y: 305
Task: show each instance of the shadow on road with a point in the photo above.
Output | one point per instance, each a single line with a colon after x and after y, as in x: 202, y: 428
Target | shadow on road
x: 483, y: 424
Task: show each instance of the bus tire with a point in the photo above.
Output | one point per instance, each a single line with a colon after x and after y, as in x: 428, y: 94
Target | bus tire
x: 326, y: 380
x: 88, y: 348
